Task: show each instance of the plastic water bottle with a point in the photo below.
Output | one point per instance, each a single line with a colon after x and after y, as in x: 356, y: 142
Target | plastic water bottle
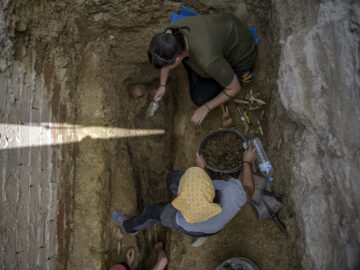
x: 262, y: 159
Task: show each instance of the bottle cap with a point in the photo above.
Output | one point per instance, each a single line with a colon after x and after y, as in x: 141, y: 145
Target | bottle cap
x: 245, y: 145
x: 271, y: 179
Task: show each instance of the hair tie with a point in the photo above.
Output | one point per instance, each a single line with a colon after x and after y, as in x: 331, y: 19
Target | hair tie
x: 161, y: 58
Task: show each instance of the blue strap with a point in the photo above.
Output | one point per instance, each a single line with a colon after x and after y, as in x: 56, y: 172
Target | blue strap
x: 254, y: 32
x: 187, y: 12
x: 175, y: 17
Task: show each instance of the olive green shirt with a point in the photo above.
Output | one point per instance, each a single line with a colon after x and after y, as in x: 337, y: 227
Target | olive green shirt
x: 218, y: 45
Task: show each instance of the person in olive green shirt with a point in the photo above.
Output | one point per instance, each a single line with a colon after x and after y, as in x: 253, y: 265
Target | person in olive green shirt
x: 217, y: 50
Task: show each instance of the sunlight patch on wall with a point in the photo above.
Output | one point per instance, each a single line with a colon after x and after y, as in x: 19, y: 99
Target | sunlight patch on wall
x: 33, y: 135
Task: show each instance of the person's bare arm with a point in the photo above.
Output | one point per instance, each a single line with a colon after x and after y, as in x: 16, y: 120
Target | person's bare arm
x: 200, y: 161
x: 229, y: 91
x: 164, y: 75
x: 248, y: 179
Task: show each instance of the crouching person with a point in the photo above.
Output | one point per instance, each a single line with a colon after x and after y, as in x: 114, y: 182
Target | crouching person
x: 193, y: 211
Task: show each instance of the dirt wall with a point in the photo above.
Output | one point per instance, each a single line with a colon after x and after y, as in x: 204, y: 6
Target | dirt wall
x: 36, y: 176
x: 316, y: 126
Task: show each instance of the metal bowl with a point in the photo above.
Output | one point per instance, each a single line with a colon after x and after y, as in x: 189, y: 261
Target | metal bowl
x: 237, y: 262
x: 213, y: 133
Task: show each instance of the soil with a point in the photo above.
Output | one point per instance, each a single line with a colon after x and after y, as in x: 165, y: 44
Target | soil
x: 114, y: 86
x: 223, y: 150
x: 136, y: 167
x: 244, y: 236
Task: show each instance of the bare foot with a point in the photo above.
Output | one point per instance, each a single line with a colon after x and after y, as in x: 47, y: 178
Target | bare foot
x: 130, y: 256
x: 162, y: 260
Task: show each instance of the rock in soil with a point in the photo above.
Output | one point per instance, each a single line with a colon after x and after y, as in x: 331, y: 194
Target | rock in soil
x: 138, y: 90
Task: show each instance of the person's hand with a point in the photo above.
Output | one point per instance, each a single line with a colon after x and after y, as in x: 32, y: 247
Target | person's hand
x: 130, y: 256
x: 160, y: 92
x: 199, y: 115
x: 249, y: 155
x: 200, y: 161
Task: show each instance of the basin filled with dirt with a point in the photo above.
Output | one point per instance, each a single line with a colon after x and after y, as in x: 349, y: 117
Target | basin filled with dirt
x: 222, y: 150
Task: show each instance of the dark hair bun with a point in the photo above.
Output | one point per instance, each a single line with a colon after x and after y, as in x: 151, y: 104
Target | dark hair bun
x: 164, y: 48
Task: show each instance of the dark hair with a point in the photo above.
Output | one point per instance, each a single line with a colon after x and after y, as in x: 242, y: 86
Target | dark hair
x: 165, y: 47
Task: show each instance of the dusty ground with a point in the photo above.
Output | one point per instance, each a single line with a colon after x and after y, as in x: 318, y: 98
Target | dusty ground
x: 153, y: 157
x: 244, y: 236
x: 88, y: 57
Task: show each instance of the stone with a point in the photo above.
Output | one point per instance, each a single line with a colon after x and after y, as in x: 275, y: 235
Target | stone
x: 138, y: 90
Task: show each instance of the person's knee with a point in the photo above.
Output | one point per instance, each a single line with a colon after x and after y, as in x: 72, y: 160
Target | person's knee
x: 198, y: 100
x: 173, y: 177
x: 204, y: 92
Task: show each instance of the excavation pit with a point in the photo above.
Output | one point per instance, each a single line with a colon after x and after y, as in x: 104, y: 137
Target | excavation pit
x: 76, y: 143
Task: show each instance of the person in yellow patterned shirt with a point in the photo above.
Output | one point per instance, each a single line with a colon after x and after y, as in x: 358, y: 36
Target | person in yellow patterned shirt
x: 193, y: 211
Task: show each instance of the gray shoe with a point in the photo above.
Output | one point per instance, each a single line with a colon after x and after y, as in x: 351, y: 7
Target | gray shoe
x: 198, y: 241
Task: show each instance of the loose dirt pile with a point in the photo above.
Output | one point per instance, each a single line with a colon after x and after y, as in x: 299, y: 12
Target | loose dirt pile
x: 223, y: 151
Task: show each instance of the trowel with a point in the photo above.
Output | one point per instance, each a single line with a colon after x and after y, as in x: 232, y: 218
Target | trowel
x: 154, y: 105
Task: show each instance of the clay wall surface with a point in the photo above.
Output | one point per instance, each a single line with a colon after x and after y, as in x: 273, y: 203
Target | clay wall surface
x: 62, y: 67
x: 36, y: 163
x: 316, y: 126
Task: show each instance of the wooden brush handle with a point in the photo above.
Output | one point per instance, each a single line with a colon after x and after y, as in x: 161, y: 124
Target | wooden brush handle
x: 260, y: 101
